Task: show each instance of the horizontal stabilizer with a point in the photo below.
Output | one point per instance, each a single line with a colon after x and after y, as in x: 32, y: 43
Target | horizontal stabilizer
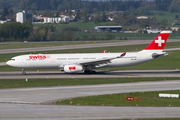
x: 156, y: 55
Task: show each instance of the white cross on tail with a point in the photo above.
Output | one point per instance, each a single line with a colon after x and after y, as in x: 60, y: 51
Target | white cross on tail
x: 159, y: 41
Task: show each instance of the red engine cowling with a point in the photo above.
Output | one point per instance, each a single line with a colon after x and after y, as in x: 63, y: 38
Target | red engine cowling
x: 72, y: 68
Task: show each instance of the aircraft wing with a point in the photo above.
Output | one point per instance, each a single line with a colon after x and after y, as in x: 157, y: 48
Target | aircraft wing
x: 100, y: 61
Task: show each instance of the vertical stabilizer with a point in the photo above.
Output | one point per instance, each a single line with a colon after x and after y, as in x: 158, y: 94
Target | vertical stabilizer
x: 159, y: 42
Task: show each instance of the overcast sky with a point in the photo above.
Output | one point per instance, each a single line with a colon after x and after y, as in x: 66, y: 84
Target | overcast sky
x: 114, y: 0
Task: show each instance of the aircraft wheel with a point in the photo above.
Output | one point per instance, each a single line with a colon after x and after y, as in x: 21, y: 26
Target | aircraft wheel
x: 89, y: 72
x: 24, y: 73
x: 85, y: 71
x: 93, y: 72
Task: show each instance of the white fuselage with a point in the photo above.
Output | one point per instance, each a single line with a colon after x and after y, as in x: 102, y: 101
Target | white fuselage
x: 58, y: 60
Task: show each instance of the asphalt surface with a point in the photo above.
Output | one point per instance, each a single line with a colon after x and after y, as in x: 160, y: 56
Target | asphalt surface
x: 32, y: 103
x: 128, y: 42
x: 2, y: 63
x: 99, y: 74
x: 47, y: 112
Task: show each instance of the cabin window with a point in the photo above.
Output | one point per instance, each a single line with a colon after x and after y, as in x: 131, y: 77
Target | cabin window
x: 61, y: 58
x: 73, y: 58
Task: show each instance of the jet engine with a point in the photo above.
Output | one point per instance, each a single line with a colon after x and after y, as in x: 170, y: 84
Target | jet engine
x: 72, y: 68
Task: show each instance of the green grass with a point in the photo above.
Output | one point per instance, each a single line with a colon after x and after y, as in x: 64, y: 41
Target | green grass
x: 130, y: 36
x: 48, y: 44
x: 80, y: 25
x: 16, y: 83
x: 165, y: 15
x: 91, y: 25
x: 144, y: 99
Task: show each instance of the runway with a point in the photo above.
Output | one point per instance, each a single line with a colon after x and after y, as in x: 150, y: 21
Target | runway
x: 121, y: 43
x: 2, y: 63
x: 47, y: 112
x: 99, y: 74
x: 32, y: 103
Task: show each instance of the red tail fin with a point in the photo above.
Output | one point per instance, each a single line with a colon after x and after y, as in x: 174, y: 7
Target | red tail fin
x: 159, y: 42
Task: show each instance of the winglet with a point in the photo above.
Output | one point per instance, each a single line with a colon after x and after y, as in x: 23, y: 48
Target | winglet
x: 159, y: 42
x: 122, y: 55
x: 104, y: 51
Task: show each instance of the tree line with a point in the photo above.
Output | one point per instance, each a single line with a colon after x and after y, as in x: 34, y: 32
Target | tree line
x: 91, y: 7
x: 15, y: 31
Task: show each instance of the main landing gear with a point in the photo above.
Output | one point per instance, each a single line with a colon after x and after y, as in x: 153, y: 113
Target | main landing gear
x: 23, y: 72
x: 89, y: 72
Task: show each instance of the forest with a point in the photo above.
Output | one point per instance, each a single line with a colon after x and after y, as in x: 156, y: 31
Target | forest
x: 13, y: 31
x: 108, y: 5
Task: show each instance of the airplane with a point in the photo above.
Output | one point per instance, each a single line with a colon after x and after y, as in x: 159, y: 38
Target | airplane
x: 71, y: 63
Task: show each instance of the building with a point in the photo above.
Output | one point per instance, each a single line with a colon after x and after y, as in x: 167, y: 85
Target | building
x: 2, y: 22
x: 56, y: 19
x: 142, y: 18
x: 108, y: 28
x: 175, y: 28
x: 110, y: 18
x: 153, y: 29
x: 23, y: 16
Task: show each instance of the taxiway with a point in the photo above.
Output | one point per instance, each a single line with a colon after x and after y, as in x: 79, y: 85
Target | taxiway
x: 128, y: 42
x: 32, y: 103
x: 99, y: 74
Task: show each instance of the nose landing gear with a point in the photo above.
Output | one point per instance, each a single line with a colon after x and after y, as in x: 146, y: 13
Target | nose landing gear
x: 23, y: 72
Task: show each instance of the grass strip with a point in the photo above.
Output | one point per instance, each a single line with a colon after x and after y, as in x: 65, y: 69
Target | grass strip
x: 31, y: 45
x: 143, y: 99
x: 49, y: 44
x: 17, y: 83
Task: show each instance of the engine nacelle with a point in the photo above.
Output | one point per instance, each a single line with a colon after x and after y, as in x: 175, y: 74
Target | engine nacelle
x: 72, y: 68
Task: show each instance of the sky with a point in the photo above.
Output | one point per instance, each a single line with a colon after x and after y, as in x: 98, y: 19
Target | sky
x: 114, y: 0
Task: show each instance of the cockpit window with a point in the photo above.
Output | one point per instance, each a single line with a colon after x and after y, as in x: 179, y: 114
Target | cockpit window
x: 13, y: 59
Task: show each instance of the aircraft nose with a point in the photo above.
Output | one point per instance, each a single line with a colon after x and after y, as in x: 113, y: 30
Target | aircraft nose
x: 8, y: 62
